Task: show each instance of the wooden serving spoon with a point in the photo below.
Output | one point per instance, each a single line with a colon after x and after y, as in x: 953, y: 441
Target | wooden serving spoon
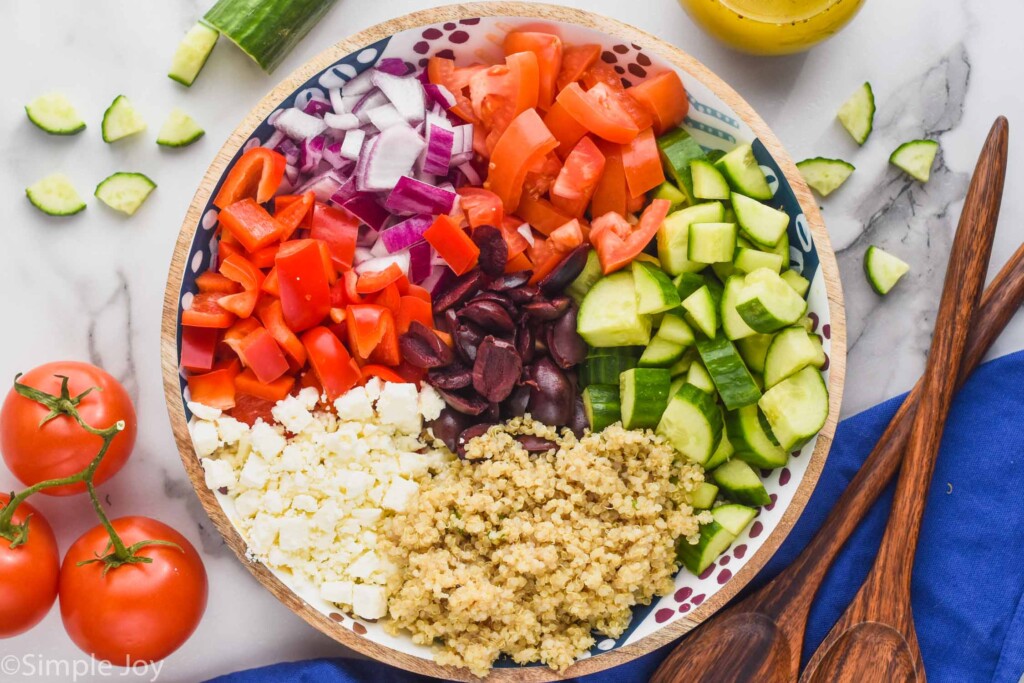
x: 761, y: 637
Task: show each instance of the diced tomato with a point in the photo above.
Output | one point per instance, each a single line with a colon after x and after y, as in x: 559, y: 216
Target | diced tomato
x: 250, y: 224
x: 642, y: 164
x: 578, y: 178
x: 541, y: 214
x: 500, y: 93
x: 272, y: 317
x: 385, y: 374
x: 293, y: 212
x: 452, y: 244
x: 368, y: 283
x: 618, y: 243
x: 256, y: 175
x: 442, y: 71
x: 540, y: 178
x: 482, y: 207
x: 600, y: 111
x: 215, y: 389
x: 304, y: 284
x: 524, y: 143
x: 262, y: 355
x: 335, y: 369
x: 664, y: 98
x: 247, y: 383
x: 576, y: 59
x: 412, y: 308
x: 339, y: 230
x: 546, y: 254
x: 564, y: 127
x: 199, y: 347
x: 389, y: 297
x: 547, y: 48
x: 271, y: 285
x: 249, y: 409
x: 515, y: 241
x: 601, y: 72
x: 611, y: 194
x: 212, y: 281
x: 635, y: 204
x: 206, y: 312
x: 365, y: 325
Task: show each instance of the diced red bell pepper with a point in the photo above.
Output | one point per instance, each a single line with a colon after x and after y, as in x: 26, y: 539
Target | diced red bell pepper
x: 335, y: 369
x: 365, y: 324
x: 239, y: 269
x: 293, y: 212
x: 215, y: 389
x: 250, y: 224
x: 520, y: 262
x: 304, y: 284
x: 236, y: 333
x: 227, y: 246
x: 264, y: 258
x: 351, y: 279
x: 206, y: 312
x: 272, y: 316
x: 452, y: 244
x: 247, y: 383
x: 339, y: 230
x: 371, y: 282
x: 212, y: 281
x: 256, y: 175
x: 199, y: 348
x: 419, y: 293
x: 389, y: 297
x: 412, y: 308
x: 271, y: 285
x: 262, y: 355
x: 382, y: 372
x: 387, y: 351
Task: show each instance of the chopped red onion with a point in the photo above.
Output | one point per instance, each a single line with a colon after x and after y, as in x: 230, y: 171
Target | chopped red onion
x: 365, y: 208
x: 362, y: 254
x: 290, y: 151
x: 312, y: 151
x: 393, y: 66
x: 406, y: 94
x: 405, y: 234
x: 332, y: 155
x: 375, y: 265
x: 389, y: 157
x: 440, y: 278
x: 342, y: 121
x: 414, y: 196
x: 347, y: 102
x: 462, y: 144
x: 370, y: 100
x: 359, y: 84
x: 438, y: 94
x: 385, y: 116
x: 471, y: 175
x: 337, y: 102
x: 419, y: 262
x: 378, y: 249
x: 352, y: 145
x: 323, y: 186
x: 317, y: 107
x: 367, y: 236
x: 344, y: 193
x: 299, y: 125
x: 438, y: 155
x: 276, y: 138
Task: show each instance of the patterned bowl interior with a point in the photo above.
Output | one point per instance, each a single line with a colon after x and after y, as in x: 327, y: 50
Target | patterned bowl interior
x: 715, y: 125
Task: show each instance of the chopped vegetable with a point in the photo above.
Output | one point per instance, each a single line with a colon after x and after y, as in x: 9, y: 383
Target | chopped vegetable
x: 120, y: 120
x: 55, y: 195
x: 193, y: 51
x: 825, y: 175
x: 858, y: 113
x: 916, y: 158
x: 54, y: 114
x: 452, y: 244
x: 179, y: 130
x: 883, y: 269
x: 125, y: 192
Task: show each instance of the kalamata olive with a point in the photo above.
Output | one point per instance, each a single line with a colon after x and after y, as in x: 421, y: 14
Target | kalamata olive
x: 493, y: 249
x: 448, y: 425
x: 468, y: 434
x: 547, y: 310
x: 535, y: 444
x: 465, y: 401
x: 467, y: 337
x: 579, y: 422
x: 511, y: 280
x: 551, y: 399
x: 461, y: 290
x: 454, y: 376
x: 421, y: 347
x: 498, y: 298
x: 515, y: 405
x: 565, y: 345
x: 525, y: 346
x: 496, y: 370
x: 522, y: 295
x: 490, y: 316
x: 566, y: 271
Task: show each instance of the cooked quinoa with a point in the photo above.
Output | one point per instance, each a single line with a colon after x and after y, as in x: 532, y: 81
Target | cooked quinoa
x: 527, y: 555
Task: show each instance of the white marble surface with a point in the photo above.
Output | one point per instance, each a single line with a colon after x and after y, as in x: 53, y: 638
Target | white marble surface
x: 91, y: 287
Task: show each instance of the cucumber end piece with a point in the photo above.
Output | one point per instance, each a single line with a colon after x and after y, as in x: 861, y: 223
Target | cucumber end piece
x: 193, y: 51
x: 824, y: 175
x: 125, y: 192
x: 55, y: 195
x: 857, y: 113
x: 883, y: 270
x: 180, y: 130
x: 54, y: 114
x: 915, y: 158
x: 120, y: 120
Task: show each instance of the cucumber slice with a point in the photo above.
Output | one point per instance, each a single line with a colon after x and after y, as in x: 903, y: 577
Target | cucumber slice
x: 673, y: 194
x: 714, y: 540
x: 916, y: 158
x: 692, y: 423
x: 712, y: 242
x: 699, y: 377
x: 121, y: 120
x: 643, y: 395
x: 760, y: 222
x: 678, y: 150
x: 192, y: 53
x: 766, y: 303
x: 753, y: 350
x: 739, y: 482
x: 824, y: 176
x: 782, y: 249
x: 124, y: 192
x: 857, y: 114
x: 683, y: 365
x: 677, y: 384
x: 749, y: 260
x: 744, y: 174
x: 655, y: 292
x: 722, y: 454
x: 603, y: 366
x: 674, y: 236
x: 796, y: 408
x: 819, y: 351
x: 601, y: 404
x: 723, y: 271
x: 734, y: 517
x: 179, y: 130
x: 753, y: 443
x: 55, y: 114
x: 661, y: 353
x: 701, y: 311
x: 732, y: 323
x: 55, y: 195
x: 688, y: 283
x: 703, y: 496
x: 608, y: 315
x: 798, y: 282
x: 791, y: 351
x: 883, y: 269
x: 731, y: 377
x: 708, y: 181
x: 675, y: 329
x: 590, y: 274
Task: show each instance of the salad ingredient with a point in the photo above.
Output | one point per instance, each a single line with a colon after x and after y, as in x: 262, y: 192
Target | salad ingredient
x: 796, y: 408
x: 257, y: 174
x: 760, y: 222
x: 752, y: 439
x: 124, y: 192
x: 266, y: 30
x: 141, y: 613
x: 714, y: 540
x: 55, y: 195
x: 731, y: 377
x: 643, y: 395
x: 121, y: 119
x: 883, y: 269
x: 791, y: 350
x: 39, y: 444
x: 609, y: 315
x: 522, y: 145
x: 655, y: 292
x: 857, y: 114
x: 740, y: 482
x: 825, y: 175
x: 692, y: 423
x: 179, y: 130
x: 744, y: 174
x: 674, y: 236
x: 452, y: 244
x: 29, y: 572
x: 548, y: 50
x: 193, y: 51
x: 916, y: 158
x: 55, y: 114
x: 708, y: 181
x: 701, y: 310
x: 712, y: 243
x: 601, y: 401
x: 618, y: 243
x: 678, y: 151
x: 766, y: 303
x: 798, y: 282
x: 600, y: 110
x: 664, y: 98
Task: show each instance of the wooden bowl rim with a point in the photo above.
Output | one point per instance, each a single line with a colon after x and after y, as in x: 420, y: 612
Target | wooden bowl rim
x: 609, y: 26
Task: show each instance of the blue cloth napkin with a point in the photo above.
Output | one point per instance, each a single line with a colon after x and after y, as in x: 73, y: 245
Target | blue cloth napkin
x: 968, y: 591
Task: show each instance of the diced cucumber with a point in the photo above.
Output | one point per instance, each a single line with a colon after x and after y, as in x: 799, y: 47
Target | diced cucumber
x: 603, y: 366
x: 732, y: 323
x: 796, y: 408
x: 752, y: 443
x: 744, y: 174
x: 698, y: 376
x: 692, y: 423
x: 819, y: 352
x: 714, y: 540
x: 601, y: 404
x: 124, y: 192
x: 883, y: 269
x: 791, y: 351
x: 712, y: 242
x: 766, y: 303
x: 179, y: 130
x: 55, y: 114
x: 643, y: 395
x: 731, y: 377
x: 55, y: 195
x: 797, y: 281
x: 753, y: 349
x: 683, y: 365
x: 192, y: 53
x: 701, y: 311
x: 734, y: 517
x: 661, y: 353
x: 722, y: 454
x: 677, y: 384
x: 120, y: 120
x: 782, y: 249
x: 688, y: 283
x: 678, y: 149
x: 673, y: 194
x: 761, y: 223
x: 655, y: 292
x: 703, y: 496
x: 708, y: 181
x: 591, y: 273
x: 608, y: 315
x: 823, y: 175
x: 749, y: 260
x: 675, y: 329
x: 857, y: 114
x: 916, y: 158
x: 723, y: 271
x: 674, y: 236
x: 739, y: 482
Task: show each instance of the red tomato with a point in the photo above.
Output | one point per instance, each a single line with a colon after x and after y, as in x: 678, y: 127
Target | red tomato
x: 61, y: 448
x: 442, y: 71
x: 525, y: 143
x: 548, y: 49
x: 139, y: 612
x: 578, y: 178
x: 576, y: 59
x: 618, y: 243
x: 642, y: 164
x: 600, y: 111
x: 665, y: 99
x: 29, y: 573
x: 612, y: 194
x: 482, y: 207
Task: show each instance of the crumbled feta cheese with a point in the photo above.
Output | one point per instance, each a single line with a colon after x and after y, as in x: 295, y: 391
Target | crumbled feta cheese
x: 366, y: 565
x: 204, y: 412
x: 205, y: 438
x: 293, y: 413
x: 293, y: 533
x: 231, y: 430
x: 398, y: 405
x: 254, y: 473
x: 399, y: 494
x: 304, y: 502
x: 339, y: 592
x: 266, y: 440
x: 431, y: 403
x: 369, y: 602
x: 354, y: 405
x: 372, y: 388
x: 219, y: 473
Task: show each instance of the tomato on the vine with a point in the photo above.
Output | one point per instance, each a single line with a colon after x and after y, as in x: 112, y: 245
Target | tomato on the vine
x: 137, y: 611
x: 29, y: 573
x: 36, y: 450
